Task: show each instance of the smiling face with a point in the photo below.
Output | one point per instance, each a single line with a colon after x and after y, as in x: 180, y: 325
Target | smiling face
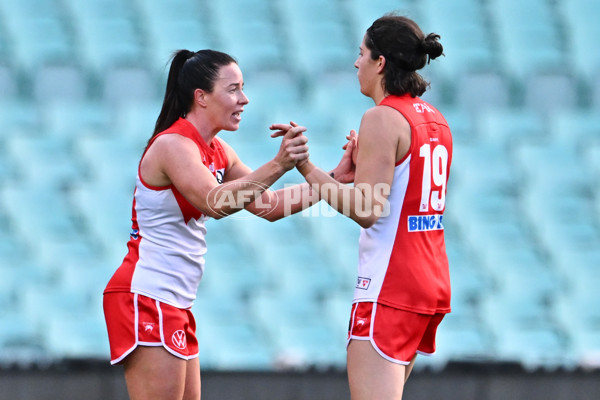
x: 369, y: 71
x: 225, y: 104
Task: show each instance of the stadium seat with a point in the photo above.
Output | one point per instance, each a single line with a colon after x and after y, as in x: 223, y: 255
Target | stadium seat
x: 133, y: 125
x: 595, y: 95
x: 483, y: 89
x: 65, y: 120
x: 477, y: 165
x: 234, y: 345
x: 580, y: 321
x: 337, y: 306
x: 525, y: 331
x: 580, y: 18
x: 105, y: 214
x: 20, y: 339
x: 577, y: 125
x: 18, y: 117
x: 529, y: 37
x: 231, y: 269
x: 60, y: 82
x: 77, y: 337
x: 592, y: 159
x: 269, y: 91
x: 108, y: 42
x: 39, y: 39
x: 112, y: 161
x: 541, y: 93
x: 562, y: 166
x: 157, y: 11
x: 470, y: 283
x: 168, y: 35
x: 339, y: 90
x: 129, y: 84
x: 8, y: 81
x: 318, y: 41
x: 297, y: 329
x: 533, y: 347
x: 458, y: 339
x: 255, y: 39
x: 467, y: 40
x: 362, y: 14
x: 28, y: 208
x: 54, y: 164
x: 507, y: 126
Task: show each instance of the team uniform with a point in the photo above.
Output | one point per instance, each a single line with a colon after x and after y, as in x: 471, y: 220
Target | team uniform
x: 147, y: 300
x: 403, y: 286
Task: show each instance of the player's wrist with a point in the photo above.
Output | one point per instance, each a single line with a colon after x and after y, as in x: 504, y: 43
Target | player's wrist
x: 305, y: 168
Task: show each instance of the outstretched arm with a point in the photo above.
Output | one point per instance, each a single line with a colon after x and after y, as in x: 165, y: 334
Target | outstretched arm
x: 376, y: 154
x: 174, y: 160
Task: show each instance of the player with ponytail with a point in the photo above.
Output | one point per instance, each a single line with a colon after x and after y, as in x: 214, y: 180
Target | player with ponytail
x: 185, y: 176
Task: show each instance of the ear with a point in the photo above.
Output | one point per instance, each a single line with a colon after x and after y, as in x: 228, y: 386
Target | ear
x: 200, y: 97
x: 381, y: 64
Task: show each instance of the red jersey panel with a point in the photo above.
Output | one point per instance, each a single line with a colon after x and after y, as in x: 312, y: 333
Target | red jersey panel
x: 165, y: 259
x: 402, y: 257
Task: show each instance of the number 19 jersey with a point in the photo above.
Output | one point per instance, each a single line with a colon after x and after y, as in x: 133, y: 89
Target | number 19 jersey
x: 402, y: 257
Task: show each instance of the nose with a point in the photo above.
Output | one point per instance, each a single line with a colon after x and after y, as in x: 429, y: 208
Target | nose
x: 356, y: 64
x: 244, y: 99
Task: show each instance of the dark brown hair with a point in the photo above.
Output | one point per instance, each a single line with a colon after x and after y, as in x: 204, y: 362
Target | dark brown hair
x: 406, y: 49
x: 189, y: 71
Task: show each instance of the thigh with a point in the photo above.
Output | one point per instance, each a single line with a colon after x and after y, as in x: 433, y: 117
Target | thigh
x: 372, y: 377
x: 192, y: 380
x: 152, y: 372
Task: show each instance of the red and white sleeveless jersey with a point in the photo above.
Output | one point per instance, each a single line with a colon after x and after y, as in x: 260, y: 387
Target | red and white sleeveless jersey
x: 165, y: 259
x: 402, y: 257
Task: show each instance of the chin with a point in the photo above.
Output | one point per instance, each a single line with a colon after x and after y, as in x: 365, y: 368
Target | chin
x: 232, y: 128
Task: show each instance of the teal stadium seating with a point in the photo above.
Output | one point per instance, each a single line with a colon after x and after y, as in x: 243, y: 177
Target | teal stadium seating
x: 81, y: 85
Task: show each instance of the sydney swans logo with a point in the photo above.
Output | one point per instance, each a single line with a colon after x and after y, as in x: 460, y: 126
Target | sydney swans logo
x: 230, y: 197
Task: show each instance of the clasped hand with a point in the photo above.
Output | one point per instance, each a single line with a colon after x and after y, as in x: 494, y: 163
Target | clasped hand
x: 294, y: 144
x: 293, y: 149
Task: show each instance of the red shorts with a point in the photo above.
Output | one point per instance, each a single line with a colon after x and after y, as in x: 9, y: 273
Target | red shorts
x: 134, y: 320
x: 397, y: 335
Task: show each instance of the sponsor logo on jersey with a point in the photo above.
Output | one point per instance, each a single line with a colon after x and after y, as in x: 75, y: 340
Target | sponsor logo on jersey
x: 219, y: 174
x: 423, y: 223
x: 135, y: 234
x: 363, y: 283
x: 178, y: 339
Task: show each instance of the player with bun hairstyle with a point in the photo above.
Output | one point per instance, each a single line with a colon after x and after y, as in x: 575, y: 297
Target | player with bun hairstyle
x: 402, y: 161
x: 186, y: 175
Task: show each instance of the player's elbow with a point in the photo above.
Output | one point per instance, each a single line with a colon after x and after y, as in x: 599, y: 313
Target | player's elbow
x: 366, y: 223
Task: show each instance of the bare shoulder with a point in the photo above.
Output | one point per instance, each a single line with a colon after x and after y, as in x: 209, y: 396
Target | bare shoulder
x: 169, y: 141
x: 386, y: 128
x: 167, y: 149
x: 383, y: 122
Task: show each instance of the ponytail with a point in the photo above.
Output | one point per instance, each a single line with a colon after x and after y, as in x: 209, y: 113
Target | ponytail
x: 173, y: 105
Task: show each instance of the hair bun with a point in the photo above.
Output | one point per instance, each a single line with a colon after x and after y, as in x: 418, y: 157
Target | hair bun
x: 431, y: 46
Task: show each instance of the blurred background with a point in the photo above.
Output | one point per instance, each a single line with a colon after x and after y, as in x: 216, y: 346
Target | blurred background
x: 81, y: 85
